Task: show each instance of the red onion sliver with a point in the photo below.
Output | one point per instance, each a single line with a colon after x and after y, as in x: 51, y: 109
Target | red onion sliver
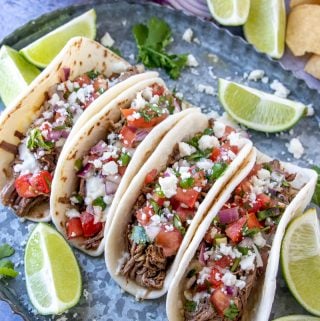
x: 66, y: 73
x: 85, y: 171
x: 99, y: 148
x: 228, y: 215
x: 111, y: 188
x: 141, y: 135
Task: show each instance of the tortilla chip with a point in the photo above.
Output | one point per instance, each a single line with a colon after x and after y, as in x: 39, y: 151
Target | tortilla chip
x: 303, y: 30
x: 294, y: 3
x: 313, y: 66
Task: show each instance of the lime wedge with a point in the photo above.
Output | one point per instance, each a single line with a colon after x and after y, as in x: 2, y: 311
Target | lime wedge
x: 52, y: 272
x: 297, y: 318
x: 265, y: 27
x: 300, y: 260
x: 257, y: 109
x: 230, y: 12
x: 43, y: 50
x: 15, y: 74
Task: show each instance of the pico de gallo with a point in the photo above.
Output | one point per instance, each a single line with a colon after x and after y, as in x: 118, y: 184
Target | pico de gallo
x: 101, y: 170
x: 169, y: 201
x: 234, y: 251
x: 37, y: 154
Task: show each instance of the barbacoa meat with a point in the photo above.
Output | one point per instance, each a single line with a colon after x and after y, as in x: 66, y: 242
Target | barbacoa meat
x: 204, y: 312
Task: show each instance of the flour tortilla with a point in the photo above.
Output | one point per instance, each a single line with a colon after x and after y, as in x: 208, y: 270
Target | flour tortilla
x: 262, y: 296
x: 65, y: 181
x: 80, y: 55
x: 116, y: 244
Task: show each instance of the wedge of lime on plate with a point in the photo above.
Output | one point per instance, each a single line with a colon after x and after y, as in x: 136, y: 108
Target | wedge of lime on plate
x: 257, y: 109
x: 229, y: 12
x: 300, y: 260
x: 265, y: 27
x: 43, y: 50
x: 52, y: 273
x: 298, y: 318
x: 15, y: 74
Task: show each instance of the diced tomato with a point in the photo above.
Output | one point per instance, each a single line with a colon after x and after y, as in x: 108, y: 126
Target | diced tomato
x: 23, y: 186
x: 234, y: 230
x: 209, y: 236
x: 128, y: 136
x: 186, y: 196
x: 199, y: 178
x: 157, y: 89
x: 215, y: 278
x: 264, y: 201
x: 226, y: 147
x: 202, y: 287
x: 185, y: 213
x: 99, y: 84
x: 89, y: 227
x: 144, y: 214
x: 228, y: 130
x: 122, y: 169
x: 255, y: 170
x: 225, y: 261
x: 127, y: 112
x: 243, y: 188
x: 159, y: 200
x: 142, y: 123
x: 169, y: 241
x: 41, y: 182
x: 253, y: 221
x: 74, y: 228
x: 83, y: 79
x: 215, y: 155
x: 151, y: 176
x: 220, y: 301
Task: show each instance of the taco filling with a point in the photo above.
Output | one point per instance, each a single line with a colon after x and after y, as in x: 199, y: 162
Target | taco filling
x: 36, y: 156
x: 169, y: 201
x: 235, y: 249
x: 101, y: 170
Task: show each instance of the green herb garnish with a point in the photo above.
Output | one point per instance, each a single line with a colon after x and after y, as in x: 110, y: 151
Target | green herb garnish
x: 187, y: 182
x: 99, y: 202
x: 6, y: 266
x: 190, y: 306
x: 155, y: 206
x: 152, y: 40
x: 78, y: 164
x: 125, y: 159
x: 36, y: 140
x: 235, y: 264
x: 243, y: 250
x: 208, y: 131
x: 217, y: 170
x: 191, y: 273
x: 199, y: 154
x: 316, y: 195
x: 232, y: 312
x: 262, y: 215
x: 92, y: 74
x: 178, y: 224
x: 138, y: 235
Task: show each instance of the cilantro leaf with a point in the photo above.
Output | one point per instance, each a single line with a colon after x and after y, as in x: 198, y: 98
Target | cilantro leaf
x: 232, y: 312
x: 139, y: 235
x: 316, y: 195
x: 217, y: 170
x: 100, y: 202
x: 36, y: 140
x: 152, y: 40
x: 178, y: 224
x: 190, y: 306
x: 6, y: 250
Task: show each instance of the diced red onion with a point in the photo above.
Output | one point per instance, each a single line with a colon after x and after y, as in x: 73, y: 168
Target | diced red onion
x: 54, y: 135
x: 85, y: 171
x: 111, y: 187
x: 166, y: 174
x: 66, y: 73
x: 228, y: 215
x: 99, y: 148
x: 65, y: 133
x: 177, y: 106
x: 246, y: 242
x: 141, y: 135
x: 192, y: 6
x: 201, y: 254
x: 114, y: 179
x: 90, y: 209
x: 232, y: 291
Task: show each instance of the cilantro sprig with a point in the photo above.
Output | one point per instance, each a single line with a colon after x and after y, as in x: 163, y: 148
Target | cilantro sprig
x: 36, y: 140
x: 6, y: 266
x: 316, y: 195
x: 152, y: 40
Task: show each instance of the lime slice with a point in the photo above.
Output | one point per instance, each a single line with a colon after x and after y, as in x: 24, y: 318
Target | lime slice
x: 298, y: 318
x: 15, y: 74
x: 257, y: 109
x: 300, y: 260
x: 229, y: 12
x: 52, y: 272
x: 265, y: 27
x: 43, y: 50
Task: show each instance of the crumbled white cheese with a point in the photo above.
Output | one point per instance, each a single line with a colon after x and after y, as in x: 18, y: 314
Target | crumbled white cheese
x: 186, y: 149
x: 280, y: 89
x: 295, y: 148
x: 235, y: 139
x: 209, y: 90
x: 229, y: 279
x: 147, y: 93
x: 219, y: 129
x: 187, y: 35
x: 199, y: 296
x: 192, y: 61
x: 256, y: 75
x: 263, y: 174
x: 97, y: 163
x: 197, y: 41
x: 72, y: 212
x: 152, y: 231
x: 207, y: 141
x: 168, y: 185
x: 265, y: 80
x: 95, y: 188
x: 107, y: 40
x: 29, y: 163
x: 139, y: 102
x: 259, y: 240
x: 240, y: 284
x: 110, y: 168
x: 227, y: 250
x: 205, y: 164
x: 247, y: 262
x: 204, y: 275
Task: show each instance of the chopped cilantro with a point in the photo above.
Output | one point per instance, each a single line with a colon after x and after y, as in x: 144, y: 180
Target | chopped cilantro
x: 199, y: 154
x: 36, y: 140
x: 79, y: 198
x: 262, y: 215
x: 92, y: 74
x: 6, y: 266
x: 78, y: 164
x: 187, y: 182
x: 178, y: 224
x: 190, y: 306
x: 101, y: 90
x: 285, y: 184
x: 232, y: 312
x: 152, y: 40
x: 155, y: 206
x: 6, y: 250
x: 100, y: 202
x: 250, y: 231
x: 243, y: 250
x: 235, y: 264
x: 158, y: 190
x: 217, y: 170
x: 194, y: 141
x: 125, y: 159
x: 267, y: 166
x: 208, y: 131
x: 316, y: 195
x: 191, y: 273
x: 138, y: 235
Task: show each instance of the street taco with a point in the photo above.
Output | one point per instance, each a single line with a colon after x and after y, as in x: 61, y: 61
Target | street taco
x: 162, y: 208
x: 101, y: 160
x: 80, y: 81
x: 229, y: 270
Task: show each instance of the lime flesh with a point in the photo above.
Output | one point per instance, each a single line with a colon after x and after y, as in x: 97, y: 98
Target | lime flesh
x: 16, y: 73
x: 52, y: 273
x: 229, y: 12
x: 259, y: 110
x: 265, y: 26
x: 298, y: 318
x: 300, y: 260
x: 43, y: 50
